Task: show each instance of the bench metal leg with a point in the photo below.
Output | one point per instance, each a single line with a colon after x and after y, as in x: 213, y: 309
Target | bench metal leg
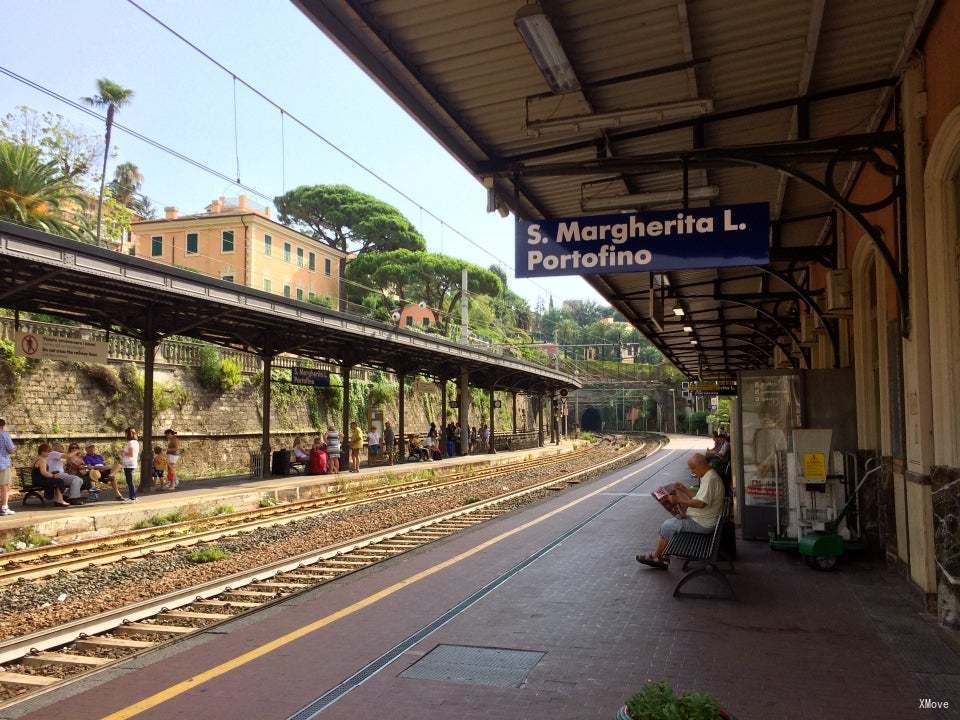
x: 729, y: 569
x: 710, y: 569
x: 32, y: 493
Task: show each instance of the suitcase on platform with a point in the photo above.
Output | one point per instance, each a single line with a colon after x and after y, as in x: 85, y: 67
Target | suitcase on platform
x: 280, y: 462
x: 318, y: 462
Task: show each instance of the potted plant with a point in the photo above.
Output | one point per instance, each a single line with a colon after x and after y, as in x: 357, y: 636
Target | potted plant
x: 658, y: 701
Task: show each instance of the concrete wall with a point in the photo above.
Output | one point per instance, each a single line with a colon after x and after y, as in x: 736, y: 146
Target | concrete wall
x: 76, y: 403
x: 917, y: 497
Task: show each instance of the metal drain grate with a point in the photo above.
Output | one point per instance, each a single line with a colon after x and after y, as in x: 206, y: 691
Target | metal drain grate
x: 495, y: 667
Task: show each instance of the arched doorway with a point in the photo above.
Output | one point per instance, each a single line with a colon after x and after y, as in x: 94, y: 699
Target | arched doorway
x: 591, y: 420
x: 942, y: 198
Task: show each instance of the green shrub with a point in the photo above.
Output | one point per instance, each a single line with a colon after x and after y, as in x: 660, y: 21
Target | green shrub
x: 321, y: 300
x: 160, y: 520
x: 15, y: 364
x: 230, y: 374
x: 222, y: 510
x: 215, y: 372
x: 587, y: 435
x: 208, y: 367
x: 27, y: 537
x: 104, y: 377
x: 470, y: 500
x: 657, y: 701
x: 268, y: 502
x: 208, y: 554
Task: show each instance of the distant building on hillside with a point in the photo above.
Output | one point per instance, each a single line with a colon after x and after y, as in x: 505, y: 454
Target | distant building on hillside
x: 237, y: 241
x: 417, y: 316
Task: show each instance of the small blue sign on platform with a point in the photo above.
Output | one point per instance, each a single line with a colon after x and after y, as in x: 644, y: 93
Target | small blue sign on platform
x: 653, y: 241
x: 309, y: 376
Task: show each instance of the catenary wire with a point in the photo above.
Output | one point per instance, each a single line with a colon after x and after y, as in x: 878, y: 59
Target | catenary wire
x: 332, y: 145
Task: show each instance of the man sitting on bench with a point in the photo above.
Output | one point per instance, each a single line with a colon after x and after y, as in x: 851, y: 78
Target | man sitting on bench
x: 702, y: 510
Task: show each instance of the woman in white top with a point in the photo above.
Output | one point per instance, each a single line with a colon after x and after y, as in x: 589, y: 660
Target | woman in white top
x: 72, y: 482
x: 131, y: 454
x: 299, y: 454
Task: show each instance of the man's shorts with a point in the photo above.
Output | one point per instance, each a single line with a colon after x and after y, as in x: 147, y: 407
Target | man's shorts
x: 6, y: 477
x: 675, y: 524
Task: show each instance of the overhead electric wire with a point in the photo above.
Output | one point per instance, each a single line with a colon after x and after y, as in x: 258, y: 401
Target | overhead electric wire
x: 133, y: 133
x: 332, y: 145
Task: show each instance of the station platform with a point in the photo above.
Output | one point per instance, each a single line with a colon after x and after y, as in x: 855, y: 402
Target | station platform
x: 199, y: 497
x: 545, y: 613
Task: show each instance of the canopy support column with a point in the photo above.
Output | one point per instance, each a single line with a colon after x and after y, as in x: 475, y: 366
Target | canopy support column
x: 401, y: 415
x: 267, y: 359
x: 539, y: 419
x: 493, y: 413
x: 149, y: 340
x: 345, y: 368
x: 514, y: 411
x: 464, y: 411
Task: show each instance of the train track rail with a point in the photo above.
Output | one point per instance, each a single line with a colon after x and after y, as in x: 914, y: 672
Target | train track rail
x: 37, y: 563
x: 47, y: 659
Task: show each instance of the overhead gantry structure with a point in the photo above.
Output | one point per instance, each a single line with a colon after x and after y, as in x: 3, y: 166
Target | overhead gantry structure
x: 571, y: 107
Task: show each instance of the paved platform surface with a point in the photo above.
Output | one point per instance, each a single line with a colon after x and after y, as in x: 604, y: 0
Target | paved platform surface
x: 799, y: 645
x: 108, y: 515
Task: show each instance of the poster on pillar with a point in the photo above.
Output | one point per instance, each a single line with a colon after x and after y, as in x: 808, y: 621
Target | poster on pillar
x: 655, y: 240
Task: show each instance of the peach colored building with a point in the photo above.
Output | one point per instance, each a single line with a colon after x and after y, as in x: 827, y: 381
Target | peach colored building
x: 237, y: 241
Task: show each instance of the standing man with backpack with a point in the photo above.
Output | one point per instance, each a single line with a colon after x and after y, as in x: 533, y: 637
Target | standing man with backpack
x: 6, y: 469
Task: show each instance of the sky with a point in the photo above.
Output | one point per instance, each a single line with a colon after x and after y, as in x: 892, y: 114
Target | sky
x: 187, y: 103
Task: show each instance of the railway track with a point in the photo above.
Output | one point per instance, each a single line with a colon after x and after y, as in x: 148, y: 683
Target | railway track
x: 47, y: 659
x: 37, y: 563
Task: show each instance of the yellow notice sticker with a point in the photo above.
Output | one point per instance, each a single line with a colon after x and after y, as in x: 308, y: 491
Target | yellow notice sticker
x: 815, y: 467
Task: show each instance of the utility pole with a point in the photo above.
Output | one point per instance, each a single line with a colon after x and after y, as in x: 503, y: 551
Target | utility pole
x: 556, y: 345
x: 464, y: 309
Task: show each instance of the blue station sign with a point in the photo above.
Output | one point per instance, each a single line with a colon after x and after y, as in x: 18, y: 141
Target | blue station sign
x: 658, y: 240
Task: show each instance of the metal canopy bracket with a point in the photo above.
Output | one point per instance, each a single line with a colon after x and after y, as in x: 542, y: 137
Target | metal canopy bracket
x: 882, y: 150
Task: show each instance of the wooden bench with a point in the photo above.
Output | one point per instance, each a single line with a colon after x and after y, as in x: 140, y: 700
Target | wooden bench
x: 25, y: 476
x: 704, y: 550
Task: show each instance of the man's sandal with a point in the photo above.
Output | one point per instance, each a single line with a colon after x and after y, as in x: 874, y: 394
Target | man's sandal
x: 651, y: 561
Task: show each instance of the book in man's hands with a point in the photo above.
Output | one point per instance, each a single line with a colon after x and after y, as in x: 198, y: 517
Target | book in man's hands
x: 662, y: 495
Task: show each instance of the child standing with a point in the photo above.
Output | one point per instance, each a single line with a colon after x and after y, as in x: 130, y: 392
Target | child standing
x: 159, y: 465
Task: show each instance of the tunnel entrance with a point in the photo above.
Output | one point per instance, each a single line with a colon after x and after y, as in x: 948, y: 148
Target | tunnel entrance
x: 591, y: 421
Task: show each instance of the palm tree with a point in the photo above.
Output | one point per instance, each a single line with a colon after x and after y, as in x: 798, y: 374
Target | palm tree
x: 112, y: 97
x: 37, y: 194
x: 126, y: 183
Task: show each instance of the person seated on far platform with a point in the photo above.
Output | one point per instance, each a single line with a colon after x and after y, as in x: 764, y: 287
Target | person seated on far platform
x: 108, y: 473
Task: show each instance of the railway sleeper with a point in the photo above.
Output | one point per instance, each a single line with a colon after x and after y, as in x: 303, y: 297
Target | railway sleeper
x: 277, y: 586
x: 224, y: 604
x: 249, y: 595
x: 54, y: 658
x: 92, y: 643
x: 27, y: 681
x: 174, y: 615
x: 136, y: 628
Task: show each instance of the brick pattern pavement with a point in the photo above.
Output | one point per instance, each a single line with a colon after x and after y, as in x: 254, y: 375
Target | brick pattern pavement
x: 799, y: 645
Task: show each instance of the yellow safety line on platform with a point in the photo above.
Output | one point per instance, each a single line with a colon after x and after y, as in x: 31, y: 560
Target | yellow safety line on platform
x: 251, y: 655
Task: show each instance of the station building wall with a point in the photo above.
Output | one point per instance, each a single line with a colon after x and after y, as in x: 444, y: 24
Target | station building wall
x: 908, y: 383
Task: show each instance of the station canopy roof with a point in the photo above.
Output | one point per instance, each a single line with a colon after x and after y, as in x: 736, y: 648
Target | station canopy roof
x: 602, y: 98
x: 139, y: 298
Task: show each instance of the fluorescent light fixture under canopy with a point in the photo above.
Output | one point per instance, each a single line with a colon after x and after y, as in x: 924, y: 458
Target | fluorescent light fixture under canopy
x: 627, y: 117
x: 635, y: 200
x: 544, y: 45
